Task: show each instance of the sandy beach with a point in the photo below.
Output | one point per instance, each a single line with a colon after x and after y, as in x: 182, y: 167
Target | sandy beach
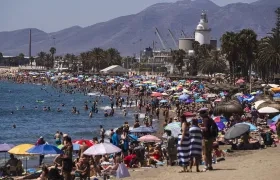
x: 249, y: 165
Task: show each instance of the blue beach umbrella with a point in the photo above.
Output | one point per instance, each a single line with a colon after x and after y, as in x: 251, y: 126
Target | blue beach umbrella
x: 275, y: 118
x: 252, y: 127
x: 133, y: 137
x: 44, y: 149
x: 183, y: 97
x: 200, y: 100
x: 163, y: 101
x: 143, y: 129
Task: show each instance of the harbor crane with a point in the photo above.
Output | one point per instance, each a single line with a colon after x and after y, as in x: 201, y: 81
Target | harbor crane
x: 183, y: 33
x: 161, y: 40
x: 174, y: 41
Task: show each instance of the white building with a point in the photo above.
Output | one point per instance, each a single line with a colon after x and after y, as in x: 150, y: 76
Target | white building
x: 202, y: 32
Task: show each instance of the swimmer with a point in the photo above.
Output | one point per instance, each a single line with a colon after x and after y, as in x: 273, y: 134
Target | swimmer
x: 58, y: 110
x: 14, y: 126
x: 90, y: 114
x: 12, y: 112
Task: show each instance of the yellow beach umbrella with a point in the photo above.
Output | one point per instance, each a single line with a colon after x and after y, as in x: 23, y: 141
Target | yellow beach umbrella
x: 21, y: 149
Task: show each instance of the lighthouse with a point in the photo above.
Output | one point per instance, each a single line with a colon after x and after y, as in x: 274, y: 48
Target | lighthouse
x: 202, y: 32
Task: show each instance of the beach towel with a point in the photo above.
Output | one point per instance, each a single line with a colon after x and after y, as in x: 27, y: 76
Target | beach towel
x: 195, y: 141
x: 183, y: 150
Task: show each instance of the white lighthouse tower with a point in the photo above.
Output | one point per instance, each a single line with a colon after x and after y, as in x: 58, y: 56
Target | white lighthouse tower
x: 202, y: 32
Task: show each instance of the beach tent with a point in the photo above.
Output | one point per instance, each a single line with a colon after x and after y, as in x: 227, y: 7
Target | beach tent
x: 114, y: 69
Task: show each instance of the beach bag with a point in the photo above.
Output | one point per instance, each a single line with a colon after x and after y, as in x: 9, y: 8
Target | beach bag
x: 122, y: 171
x: 214, y: 130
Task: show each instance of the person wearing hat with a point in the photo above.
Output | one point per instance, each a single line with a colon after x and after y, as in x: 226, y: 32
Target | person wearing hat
x: 41, y: 141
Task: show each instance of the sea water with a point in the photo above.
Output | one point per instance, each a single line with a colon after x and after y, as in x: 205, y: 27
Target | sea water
x: 32, y: 122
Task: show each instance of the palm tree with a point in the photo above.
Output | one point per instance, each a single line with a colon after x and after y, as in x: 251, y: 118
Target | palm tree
x: 113, y: 57
x: 215, y: 63
x: 49, y: 61
x: 97, y: 55
x: 1, y: 57
x: 85, y: 59
x: 52, y: 51
x: 178, y: 57
x: 269, y: 49
x: 41, y: 58
x: 31, y: 59
x: 20, y: 58
x: 230, y: 49
x: 248, y: 45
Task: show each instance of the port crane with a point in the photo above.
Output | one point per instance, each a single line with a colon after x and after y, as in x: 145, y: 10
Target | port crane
x: 160, y: 39
x: 174, y: 41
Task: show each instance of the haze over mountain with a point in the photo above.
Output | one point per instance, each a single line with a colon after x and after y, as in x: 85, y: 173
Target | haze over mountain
x: 124, y: 33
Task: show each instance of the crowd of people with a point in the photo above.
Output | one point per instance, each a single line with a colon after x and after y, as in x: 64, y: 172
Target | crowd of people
x: 198, y: 142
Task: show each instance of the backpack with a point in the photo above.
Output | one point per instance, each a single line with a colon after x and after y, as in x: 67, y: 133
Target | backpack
x: 213, y: 130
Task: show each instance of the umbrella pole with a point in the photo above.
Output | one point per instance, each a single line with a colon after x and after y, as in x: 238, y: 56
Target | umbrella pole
x: 26, y: 165
x: 5, y: 157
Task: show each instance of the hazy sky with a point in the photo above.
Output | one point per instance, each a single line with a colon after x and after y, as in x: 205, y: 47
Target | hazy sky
x: 53, y: 15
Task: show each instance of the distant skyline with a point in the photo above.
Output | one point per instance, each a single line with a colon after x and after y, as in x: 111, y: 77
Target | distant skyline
x: 54, y: 15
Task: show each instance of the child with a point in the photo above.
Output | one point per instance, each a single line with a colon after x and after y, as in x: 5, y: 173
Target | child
x: 218, y: 154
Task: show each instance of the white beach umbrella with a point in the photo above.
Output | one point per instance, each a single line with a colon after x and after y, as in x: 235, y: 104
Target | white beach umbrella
x: 257, y: 103
x: 268, y: 110
x: 102, y: 149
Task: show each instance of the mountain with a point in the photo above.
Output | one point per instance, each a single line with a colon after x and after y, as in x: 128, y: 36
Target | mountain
x: 124, y: 33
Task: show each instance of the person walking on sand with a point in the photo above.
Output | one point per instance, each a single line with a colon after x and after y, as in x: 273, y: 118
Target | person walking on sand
x: 183, y: 146
x: 209, y: 131
x: 195, y: 144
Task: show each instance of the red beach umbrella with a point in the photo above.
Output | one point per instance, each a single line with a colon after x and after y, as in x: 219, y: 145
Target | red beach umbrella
x: 189, y: 114
x: 156, y: 94
x: 89, y: 143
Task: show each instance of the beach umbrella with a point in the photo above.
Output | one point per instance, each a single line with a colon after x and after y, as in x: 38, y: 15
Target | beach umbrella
x: 220, y: 119
x: 163, y: 101
x: 44, y: 149
x: 6, y: 147
x: 200, y: 100
x: 220, y: 125
x: 143, y: 129
x: 21, y: 150
x: 240, y: 81
x: 89, y: 143
x: 133, y: 137
x: 174, y: 127
x: 189, y: 114
x: 237, y: 130
x: 268, y: 110
x: 203, y: 109
x: 211, y: 95
x: 102, y: 149
x: 189, y: 101
x: 156, y: 94
x: 252, y: 127
x: 257, y: 103
x: 160, y: 90
x: 76, y: 147
x: 183, y: 97
x: 275, y: 118
x: 149, y: 138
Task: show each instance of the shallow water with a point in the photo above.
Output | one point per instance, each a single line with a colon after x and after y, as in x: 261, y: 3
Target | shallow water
x: 32, y: 123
